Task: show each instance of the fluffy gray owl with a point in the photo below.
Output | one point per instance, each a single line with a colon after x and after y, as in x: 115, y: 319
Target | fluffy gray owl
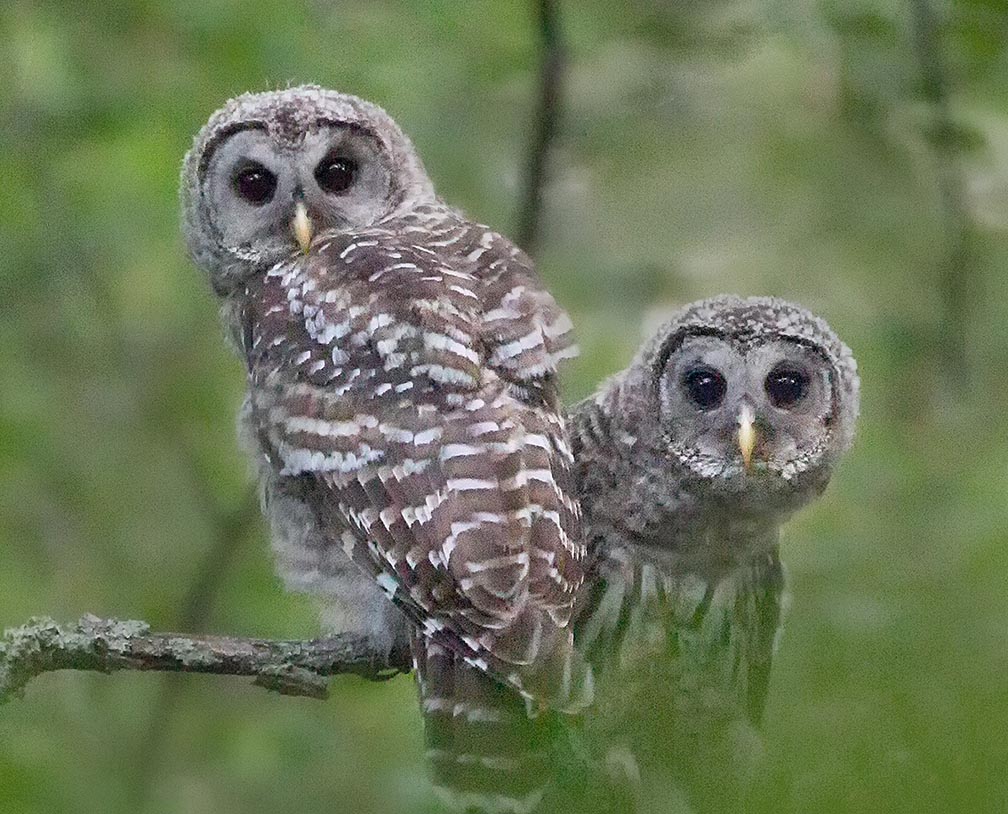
x: 732, y: 417
x: 687, y: 463
x: 401, y: 408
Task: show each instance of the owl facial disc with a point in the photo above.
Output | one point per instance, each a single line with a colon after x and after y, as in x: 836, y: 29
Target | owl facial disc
x: 751, y: 391
x: 272, y: 171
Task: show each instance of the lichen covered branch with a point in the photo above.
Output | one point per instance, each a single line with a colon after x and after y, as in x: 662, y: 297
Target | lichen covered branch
x: 105, y: 645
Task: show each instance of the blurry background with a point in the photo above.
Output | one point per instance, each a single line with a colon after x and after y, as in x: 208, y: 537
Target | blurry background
x: 850, y: 154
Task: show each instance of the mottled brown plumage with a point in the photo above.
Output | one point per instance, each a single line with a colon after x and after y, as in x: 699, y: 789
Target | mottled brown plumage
x: 402, y: 403
x: 375, y: 370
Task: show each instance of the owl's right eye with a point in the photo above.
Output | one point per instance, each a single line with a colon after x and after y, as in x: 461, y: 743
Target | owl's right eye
x: 255, y: 184
x: 705, y: 386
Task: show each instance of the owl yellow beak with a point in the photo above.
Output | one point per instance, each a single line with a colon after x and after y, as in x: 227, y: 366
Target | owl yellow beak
x: 301, y: 225
x: 746, y: 435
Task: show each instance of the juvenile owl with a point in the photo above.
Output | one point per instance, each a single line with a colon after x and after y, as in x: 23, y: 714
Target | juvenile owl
x: 687, y: 463
x: 402, y: 407
x: 730, y: 419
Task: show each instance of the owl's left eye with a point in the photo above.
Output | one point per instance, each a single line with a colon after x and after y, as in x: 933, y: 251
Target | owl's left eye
x: 335, y: 174
x: 786, y: 386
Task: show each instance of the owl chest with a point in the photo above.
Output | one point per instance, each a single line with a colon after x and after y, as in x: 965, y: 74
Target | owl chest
x: 677, y: 665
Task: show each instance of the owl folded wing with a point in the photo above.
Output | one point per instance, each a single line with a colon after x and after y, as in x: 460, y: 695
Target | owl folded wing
x: 378, y: 375
x: 528, y: 333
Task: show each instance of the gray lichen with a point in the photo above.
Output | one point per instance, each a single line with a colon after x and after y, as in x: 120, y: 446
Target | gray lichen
x: 288, y: 667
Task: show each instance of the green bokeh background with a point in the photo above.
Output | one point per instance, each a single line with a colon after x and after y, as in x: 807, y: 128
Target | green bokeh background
x: 836, y: 152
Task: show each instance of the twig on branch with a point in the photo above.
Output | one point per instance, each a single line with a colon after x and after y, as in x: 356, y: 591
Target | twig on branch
x: 551, y: 74
x: 105, y: 645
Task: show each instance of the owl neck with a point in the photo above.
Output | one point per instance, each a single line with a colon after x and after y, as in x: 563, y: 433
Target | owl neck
x: 634, y: 493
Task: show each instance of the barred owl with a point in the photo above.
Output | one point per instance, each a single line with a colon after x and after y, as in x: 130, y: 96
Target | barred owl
x: 402, y: 407
x: 686, y: 464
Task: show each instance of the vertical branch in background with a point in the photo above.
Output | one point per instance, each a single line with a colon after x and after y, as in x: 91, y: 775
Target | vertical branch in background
x: 954, y: 266
x: 551, y: 71
x: 229, y: 529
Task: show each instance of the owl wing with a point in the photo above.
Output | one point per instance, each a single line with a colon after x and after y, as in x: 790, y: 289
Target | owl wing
x: 373, y: 370
x: 527, y: 332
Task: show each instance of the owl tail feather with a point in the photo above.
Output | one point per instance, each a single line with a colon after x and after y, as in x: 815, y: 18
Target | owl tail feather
x: 486, y: 752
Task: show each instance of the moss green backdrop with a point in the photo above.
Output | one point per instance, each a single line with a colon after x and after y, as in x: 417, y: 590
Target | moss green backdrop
x: 850, y: 155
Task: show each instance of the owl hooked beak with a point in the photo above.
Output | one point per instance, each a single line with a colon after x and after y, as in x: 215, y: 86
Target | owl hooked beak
x: 746, y: 435
x: 301, y: 225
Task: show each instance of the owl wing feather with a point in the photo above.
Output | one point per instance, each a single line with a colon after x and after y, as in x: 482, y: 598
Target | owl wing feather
x: 399, y: 381
x: 528, y: 333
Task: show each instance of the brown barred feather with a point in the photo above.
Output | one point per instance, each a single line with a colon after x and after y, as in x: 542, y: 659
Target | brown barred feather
x: 417, y: 384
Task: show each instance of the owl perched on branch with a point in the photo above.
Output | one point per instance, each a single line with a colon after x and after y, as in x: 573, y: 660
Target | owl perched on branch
x: 402, y: 407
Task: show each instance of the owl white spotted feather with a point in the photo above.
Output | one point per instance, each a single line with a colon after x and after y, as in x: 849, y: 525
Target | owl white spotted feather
x: 402, y: 407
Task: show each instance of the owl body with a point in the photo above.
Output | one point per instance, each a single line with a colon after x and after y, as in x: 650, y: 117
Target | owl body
x: 401, y: 405
x: 731, y: 418
x: 658, y: 629
x: 380, y: 392
x: 681, y: 660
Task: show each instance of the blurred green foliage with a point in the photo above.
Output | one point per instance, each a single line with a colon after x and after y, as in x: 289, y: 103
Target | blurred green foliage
x: 837, y: 152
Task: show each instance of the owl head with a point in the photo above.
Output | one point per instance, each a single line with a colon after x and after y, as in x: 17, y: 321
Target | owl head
x: 271, y: 170
x: 755, y: 397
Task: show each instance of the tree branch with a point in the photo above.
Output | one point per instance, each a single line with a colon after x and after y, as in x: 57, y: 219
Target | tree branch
x: 956, y: 281
x: 106, y: 645
x: 551, y: 74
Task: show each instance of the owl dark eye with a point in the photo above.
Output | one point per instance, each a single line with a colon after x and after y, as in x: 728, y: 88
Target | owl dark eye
x: 786, y: 386
x: 255, y: 184
x: 335, y: 174
x: 705, y: 386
